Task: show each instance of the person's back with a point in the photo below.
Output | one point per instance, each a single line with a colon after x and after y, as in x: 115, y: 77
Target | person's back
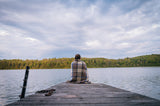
x: 79, y: 70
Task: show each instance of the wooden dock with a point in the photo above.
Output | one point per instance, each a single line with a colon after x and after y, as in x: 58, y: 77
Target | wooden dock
x: 96, y: 94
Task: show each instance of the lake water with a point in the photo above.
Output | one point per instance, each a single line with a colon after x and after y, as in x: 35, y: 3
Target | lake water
x: 142, y: 80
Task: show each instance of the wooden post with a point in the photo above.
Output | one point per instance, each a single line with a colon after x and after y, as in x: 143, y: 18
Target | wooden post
x: 24, y: 83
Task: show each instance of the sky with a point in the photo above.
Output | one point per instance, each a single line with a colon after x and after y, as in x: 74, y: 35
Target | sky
x: 37, y: 29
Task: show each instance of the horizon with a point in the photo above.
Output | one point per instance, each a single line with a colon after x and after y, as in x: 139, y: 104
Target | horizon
x: 81, y: 58
x: 93, y: 28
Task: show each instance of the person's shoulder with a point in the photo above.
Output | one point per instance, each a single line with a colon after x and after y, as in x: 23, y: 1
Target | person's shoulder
x: 83, y: 62
x: 73, y: 62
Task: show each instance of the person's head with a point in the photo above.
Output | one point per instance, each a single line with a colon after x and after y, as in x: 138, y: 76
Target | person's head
x: 77, y: 56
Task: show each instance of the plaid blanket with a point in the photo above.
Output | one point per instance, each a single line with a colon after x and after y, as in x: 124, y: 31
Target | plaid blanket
x: 79, y: 71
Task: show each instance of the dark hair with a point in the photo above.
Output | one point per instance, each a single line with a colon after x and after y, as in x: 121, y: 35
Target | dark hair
x: 77, y: 56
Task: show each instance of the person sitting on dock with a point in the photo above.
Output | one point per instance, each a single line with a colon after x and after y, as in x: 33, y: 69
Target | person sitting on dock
x: 79, y: 71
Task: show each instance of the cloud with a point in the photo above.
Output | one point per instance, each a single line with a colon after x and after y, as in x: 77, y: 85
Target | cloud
x: 100, y: 28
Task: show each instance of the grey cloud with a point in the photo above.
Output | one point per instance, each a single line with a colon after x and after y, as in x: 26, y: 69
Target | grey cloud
x: 120, y: 29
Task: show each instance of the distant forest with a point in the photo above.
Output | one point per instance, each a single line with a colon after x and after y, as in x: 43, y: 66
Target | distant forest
x: 55, y: 63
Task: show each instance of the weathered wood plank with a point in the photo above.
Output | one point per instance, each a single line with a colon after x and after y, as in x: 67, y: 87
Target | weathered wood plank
x: 87, y: 94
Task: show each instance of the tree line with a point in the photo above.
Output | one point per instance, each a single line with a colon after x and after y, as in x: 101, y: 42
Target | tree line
x: 55, y: 63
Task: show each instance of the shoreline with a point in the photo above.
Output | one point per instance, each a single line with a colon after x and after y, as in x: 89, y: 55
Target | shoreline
x: 87, y: 67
